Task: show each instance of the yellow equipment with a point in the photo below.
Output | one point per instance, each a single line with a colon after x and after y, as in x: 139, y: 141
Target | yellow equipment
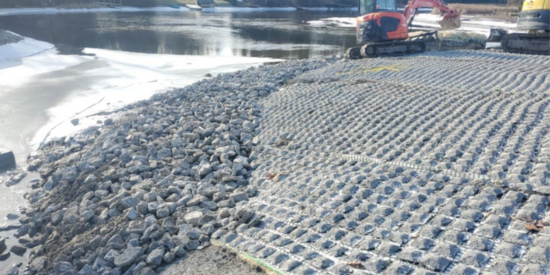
x: 535, y: 19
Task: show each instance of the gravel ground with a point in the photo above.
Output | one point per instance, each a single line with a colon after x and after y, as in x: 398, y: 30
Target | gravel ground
x: 212, y: 260
x: 425, y: 164
x: 8, y: 38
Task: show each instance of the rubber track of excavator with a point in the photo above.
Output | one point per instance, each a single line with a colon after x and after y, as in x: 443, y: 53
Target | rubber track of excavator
x: 393, y: 48
x: 543, y: 39
x: 386, y: 49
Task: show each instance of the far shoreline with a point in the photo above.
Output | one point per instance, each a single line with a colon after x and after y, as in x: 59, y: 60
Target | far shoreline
x: 55, y: 10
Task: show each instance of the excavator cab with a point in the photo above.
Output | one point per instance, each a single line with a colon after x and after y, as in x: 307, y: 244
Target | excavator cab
x: 370, y: 6
x: 535, y: 15
x: 533, y: 18
x: 380, y: 21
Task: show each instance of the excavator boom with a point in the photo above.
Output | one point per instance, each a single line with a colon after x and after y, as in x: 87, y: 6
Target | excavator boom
x: 451, y: 18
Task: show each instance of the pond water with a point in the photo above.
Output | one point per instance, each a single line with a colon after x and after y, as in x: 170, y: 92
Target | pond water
x: 275, y: 34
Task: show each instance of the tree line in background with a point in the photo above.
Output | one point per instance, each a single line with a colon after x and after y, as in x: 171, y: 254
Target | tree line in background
x: 335, y: 3
x: 268, y: 3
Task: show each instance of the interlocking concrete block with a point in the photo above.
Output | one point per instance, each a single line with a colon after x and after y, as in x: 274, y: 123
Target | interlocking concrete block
x: 403, y: 173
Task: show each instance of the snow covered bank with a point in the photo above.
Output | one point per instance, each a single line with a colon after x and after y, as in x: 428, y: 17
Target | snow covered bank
x: 343, y: 22
x: 21, y: 49
x: 479, y: 26
x: 246, y: 9
x: 422, y: 20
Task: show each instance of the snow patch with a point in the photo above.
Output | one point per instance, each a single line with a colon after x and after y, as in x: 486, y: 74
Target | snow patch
x: 247, y: 9
x: 426, y: 20
x: 342, y: 22
x: 23, y: 48
x: 330, y: 9
x: 490, y: 23
x: 479, y: 26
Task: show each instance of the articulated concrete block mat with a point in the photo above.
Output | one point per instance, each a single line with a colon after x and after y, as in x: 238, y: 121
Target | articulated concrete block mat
x: 431, y: 164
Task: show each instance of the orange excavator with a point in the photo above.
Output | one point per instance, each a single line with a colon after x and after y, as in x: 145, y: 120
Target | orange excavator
x: 382, y: 30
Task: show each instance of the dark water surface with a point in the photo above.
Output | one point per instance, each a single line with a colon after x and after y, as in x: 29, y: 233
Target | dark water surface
x: 276, y: 34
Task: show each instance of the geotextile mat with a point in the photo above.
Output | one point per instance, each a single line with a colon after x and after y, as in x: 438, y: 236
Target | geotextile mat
x: 424, y: 164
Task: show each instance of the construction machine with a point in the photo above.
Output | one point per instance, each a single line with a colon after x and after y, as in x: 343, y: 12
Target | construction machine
x: 382, y: 30
x: 535, y: 19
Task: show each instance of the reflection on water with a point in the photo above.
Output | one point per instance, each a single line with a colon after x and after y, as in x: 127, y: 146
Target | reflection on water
x: 276, y: 34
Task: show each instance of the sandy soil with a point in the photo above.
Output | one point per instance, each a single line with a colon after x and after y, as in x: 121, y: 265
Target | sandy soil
x: 212, y: 260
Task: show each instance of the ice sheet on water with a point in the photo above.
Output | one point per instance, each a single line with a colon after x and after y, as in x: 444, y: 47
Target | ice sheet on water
x: 18, y: 11
x: 111, y: 79
x: 343, y: 22
x: 23, y: 48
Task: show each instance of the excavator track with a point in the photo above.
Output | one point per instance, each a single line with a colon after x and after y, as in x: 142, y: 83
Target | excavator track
x: 415, y: 44
x: 527, y: 43
x: 392, y: 48
x: 386, y: 49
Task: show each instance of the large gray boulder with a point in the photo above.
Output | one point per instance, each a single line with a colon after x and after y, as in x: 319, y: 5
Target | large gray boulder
x: 127, y: 257
x: 61, y: 267
x: 7, y: 159
x: 155, y: 257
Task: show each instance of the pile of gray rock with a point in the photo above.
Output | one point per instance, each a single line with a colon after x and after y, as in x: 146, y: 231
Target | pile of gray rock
x: 8, y: 37
x: 12, y: 177
x: 155, y: 183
